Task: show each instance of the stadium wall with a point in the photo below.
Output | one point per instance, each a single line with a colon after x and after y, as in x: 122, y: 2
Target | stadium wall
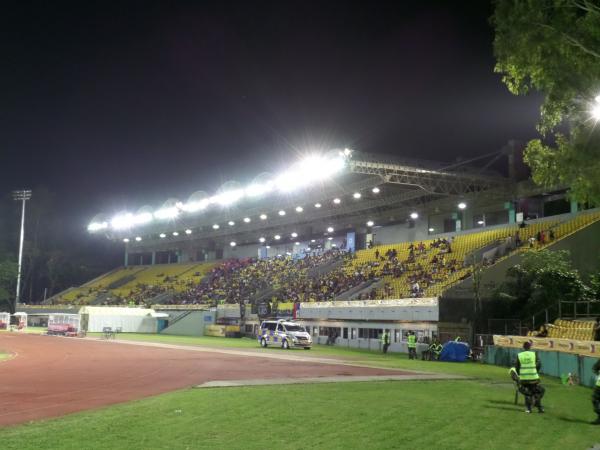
x: 191, y: 325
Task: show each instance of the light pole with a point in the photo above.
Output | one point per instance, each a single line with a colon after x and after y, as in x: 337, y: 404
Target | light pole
x: 21, y: 195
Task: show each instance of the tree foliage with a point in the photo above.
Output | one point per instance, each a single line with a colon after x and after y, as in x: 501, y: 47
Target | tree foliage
x: 553, y: 47
x: 8, y: 276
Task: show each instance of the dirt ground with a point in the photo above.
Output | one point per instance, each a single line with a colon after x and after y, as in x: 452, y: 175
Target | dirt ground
x: 52, y: 376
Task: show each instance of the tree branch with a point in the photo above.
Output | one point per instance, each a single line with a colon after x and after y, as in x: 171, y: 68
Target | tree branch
x: 571, y: 40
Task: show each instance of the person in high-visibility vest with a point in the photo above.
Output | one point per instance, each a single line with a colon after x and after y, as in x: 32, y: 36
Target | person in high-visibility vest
x: 528, y: 365
x: 596, y: 394
x: 412, y: 345
x: 385, y: 340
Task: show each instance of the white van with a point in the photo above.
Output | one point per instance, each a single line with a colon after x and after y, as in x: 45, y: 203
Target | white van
x: 284, y: 334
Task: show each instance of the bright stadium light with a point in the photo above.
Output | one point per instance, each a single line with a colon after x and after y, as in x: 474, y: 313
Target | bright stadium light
x: 370, y: 223
x: 194, y: 206
x: 263, y: 217
x: 231, y: 223
x: 313, y: 240
x: 142, y: 218
x: 462, y: 205
x: 227, y: 198
x: 281, y: 213
x: 233, y: 244
x: 330, y: 229
x: 246, y: 219
x: 294, y: 234
x: 261, y: 240
x: 126, y: 240
x: 97, y: 226
x: 138, y: 238
x: 216, y: 226
x: 431, y: 230
x: 414, y: 215
x: 307, y: 171
x: 356, y: 195
x: 276, y: 237
x: 480, y: 222
x: 595, y: 109
x: 162, y: 235
x: 317, y: 205
x: 299, y: 209
x: 122, y: 221
x: 166, y: 213
x: 329, y: 238
x: 376, y: 190
x: 188, y: 231
x: 175, y: 233
x: 256, y: 190
x: 267, y: 246
x: 337, y: 201
x: 296, y: 243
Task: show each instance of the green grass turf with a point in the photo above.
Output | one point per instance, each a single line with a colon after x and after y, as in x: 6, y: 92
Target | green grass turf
x: 4, y: 356
x: 468, y: 414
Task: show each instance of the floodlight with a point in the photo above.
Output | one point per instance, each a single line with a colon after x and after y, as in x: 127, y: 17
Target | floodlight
x: 317, y: 205
x: 299, y: 209
x: 356, y: 195
x: 414, y: 215
x: 370, y: 223
x: 480, y: 222
x: 175, y: 233
x: 277, y: 237
x: 329, y: 238
x: 122, y: 221
x: 462, y: 205
x: 376, y: 190
x: 281, y: 213
x: 261, y: 240
x: 228, y: 197
x: 431, y: 230
x: 166, y: 213
x: 268, y: 246
x: 194, y: 205
x: 247, y: 219
x: 233, y: 244
x: 162, y: 235
x: 337, y: 201
x: 595, y: 111
x: 97, y: 226
x: 256, y: 189
x: 188, y: 231
x: 138, y: 238
x: 263, y: 217
x: 231, y: 223
x: 330, y: 229
x: 288, y: 254
x: 333, y: 245
x: 347, y: 152
x: 313, y: 240
x: 126, y: 240
x: 294, y: 234
x: 216, y: 226
x: 296, y: 243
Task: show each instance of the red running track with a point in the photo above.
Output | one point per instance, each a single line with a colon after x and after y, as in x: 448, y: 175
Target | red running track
x: 51, y: 376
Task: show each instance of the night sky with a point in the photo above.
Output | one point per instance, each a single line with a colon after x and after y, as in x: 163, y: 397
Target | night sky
x: 116, y: 104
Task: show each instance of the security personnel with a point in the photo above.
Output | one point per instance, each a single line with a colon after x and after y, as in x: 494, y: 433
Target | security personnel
x: 437, y: 349
x: 527, y: 366
x: 385, y: 340
x: 596, y: 394
x: 412, y: 345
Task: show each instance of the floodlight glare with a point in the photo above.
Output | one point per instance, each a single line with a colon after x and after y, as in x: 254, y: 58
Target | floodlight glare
x: 313, y: 240
x: 414, y: 215
x: 277, y: 237
x: 268, y: 246
x: 462, y: 205
x: 188, y: 231
x: 263, y: 217
x: 166, y: 213
x: 317, y: 205
x: 296, y: 243
x: 231, y: 223
x: 329, y: 238
x: 294, y: 234
x: 370, y: 223
x: 356, y: 195
x: 162, y: 235
x: 247, y: 219
x: 281, y: 213
x: 97, y: 226
x: 122, y: 221
x: 194, y: 206
x: 126, y: 240
x: 330, y: 229
x: 299, y: 209
x: 175, y: 233
x: 261, y: 240
x: 337, y: 201
x: 376, y: 190
x: 480, y: 222
x: 233, y: 244
x: 138, y: 238
x: 216, y: 226
x: 227, y: 198
x: 595, y: 111
x: 431, y: 230
x: 256, y: 190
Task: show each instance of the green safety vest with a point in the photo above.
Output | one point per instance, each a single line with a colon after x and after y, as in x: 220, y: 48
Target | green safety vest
x: 528, y: 371
x: 598, y: 381
x: 412, y: 341
x: 385, y: 338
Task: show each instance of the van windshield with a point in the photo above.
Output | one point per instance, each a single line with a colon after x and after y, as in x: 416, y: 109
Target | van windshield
x: 295, y: 328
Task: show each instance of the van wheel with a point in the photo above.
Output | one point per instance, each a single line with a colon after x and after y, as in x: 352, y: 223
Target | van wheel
x: 263, y: 343
x: 285, y: 345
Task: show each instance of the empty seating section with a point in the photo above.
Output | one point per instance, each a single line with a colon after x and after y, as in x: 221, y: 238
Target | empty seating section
x: 582, y: 330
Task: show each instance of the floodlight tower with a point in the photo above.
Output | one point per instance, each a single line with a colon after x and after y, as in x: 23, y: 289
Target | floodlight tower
x: 21, y: 195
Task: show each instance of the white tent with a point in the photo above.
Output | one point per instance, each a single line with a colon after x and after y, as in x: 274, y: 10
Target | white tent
x: 127, y: 320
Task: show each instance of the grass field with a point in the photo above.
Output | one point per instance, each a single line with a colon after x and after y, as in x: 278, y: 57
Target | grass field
x: 4, y: 356
x: 466, y: 414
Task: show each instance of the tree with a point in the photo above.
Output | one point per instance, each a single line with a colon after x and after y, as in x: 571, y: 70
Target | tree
x: 8, y: 277
x: 553, y: 47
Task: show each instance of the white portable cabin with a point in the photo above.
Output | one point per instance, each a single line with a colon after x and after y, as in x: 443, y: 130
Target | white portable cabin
x: 64, y: 324
x: 126, y: 320
x: 4, y: 320
x: 21, y: 320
